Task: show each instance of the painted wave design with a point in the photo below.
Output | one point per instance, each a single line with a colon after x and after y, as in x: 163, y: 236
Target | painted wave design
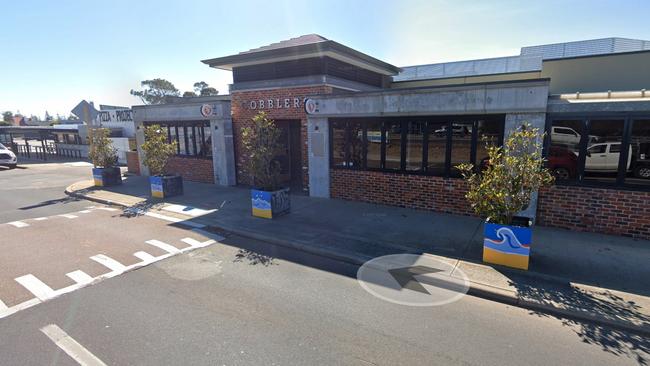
x: 507, y: 243
x: 261, y: 204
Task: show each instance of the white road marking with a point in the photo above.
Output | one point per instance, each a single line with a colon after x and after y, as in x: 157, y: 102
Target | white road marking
x: 69, y: 216
x: 109, y: 263
x: 175, y: 220
x: 3, y: 307
x: 164, y: 246
x: 90, y: 207
x: 107, y: 209
x: 78, y: 163
x: 73, y: 348
x: 18, y: 224
x: 197, y: 244
x: 187, y: 210
x: 36, y: 287
x: 80, y: 277
x: 19, y: 307
x: 40, y: 218
x: 145, y: 257
x: 208, y: 234
x: 85, y: 211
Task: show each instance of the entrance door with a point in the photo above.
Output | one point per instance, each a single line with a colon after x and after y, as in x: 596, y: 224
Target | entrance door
x: 291, y: 157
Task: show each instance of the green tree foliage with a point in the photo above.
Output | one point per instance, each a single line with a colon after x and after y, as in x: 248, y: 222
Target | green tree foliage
x: 102, y: 153
x: 201, y: 89
x: 156, y: 91
x: 7, y: 116
x: 512, y: 173
x: 261, y: 144
x: 157, y: 150
x: 189, y: 94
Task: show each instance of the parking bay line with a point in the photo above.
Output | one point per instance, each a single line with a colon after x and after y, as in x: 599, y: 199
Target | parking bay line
x: 164, y: 246
x: 73, y: 348
x: 110, y: 263
x: 80, y: 277
x: 18, y: 224
x: 36, y: 287
x: 69, y: 216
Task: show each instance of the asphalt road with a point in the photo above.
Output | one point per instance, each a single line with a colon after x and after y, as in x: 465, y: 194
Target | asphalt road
x: 245, y: 302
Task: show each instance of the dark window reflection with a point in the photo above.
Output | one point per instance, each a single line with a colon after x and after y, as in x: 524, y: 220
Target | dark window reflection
x: 338, y: 144
x: 414, y: 142
x: 393, y: 145
x: 373, y: 145
x: 461, y: 144
x: 356, y: 145
x: 437, y: 148
x: 565, y: 148
x: 640, y: 147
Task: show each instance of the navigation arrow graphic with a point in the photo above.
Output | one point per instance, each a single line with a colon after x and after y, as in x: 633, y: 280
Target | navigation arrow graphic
x: 405, y: 276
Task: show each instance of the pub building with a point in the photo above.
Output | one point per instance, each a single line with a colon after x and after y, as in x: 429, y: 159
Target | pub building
x: 360, y: 129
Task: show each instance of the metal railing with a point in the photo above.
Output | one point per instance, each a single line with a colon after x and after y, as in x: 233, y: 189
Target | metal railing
x: 45, y: 152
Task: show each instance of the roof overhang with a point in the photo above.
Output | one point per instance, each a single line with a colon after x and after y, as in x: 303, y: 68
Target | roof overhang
x: 319, y: 49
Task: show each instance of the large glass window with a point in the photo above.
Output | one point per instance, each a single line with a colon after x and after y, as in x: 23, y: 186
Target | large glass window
x: 393, y: 145
x: 604, y: 150
x: 339, y: 138
x: 489, y: 135
x: 436, y: 148
x: 414, y: 145
x: 461, y: 144
x: 373, y: 144
x: 356, y: 145
x: 564, y: 150
x: 192, y: 137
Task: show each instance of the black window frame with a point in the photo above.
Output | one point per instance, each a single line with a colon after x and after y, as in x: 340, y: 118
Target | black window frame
x: 628, y: 119
x: 427, y: 122
x: 190, y: 138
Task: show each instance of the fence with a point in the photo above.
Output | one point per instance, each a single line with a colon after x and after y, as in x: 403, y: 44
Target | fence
x: 45, y: 152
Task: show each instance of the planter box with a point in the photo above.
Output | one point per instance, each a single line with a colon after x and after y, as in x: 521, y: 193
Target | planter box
x: 166, y: 186
x: 270, y: 204
x: 106, y: 177
x: 507, y: 245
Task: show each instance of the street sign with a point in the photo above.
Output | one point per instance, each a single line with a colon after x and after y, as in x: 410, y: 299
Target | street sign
x: 85, y: 111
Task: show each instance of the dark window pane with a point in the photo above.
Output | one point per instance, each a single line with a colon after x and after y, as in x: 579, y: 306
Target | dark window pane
x: 461, y: 145
x: 437, y: 148
x: 640, y: 143
x: 393, y: 145
x: 564, y: 148
x: 206, y: 144
x: 356, y: 145
x: 489, y: 135
x: 373, y: 146
x: 414, y: 142
x: 601, y: 161
x: 338, y: 144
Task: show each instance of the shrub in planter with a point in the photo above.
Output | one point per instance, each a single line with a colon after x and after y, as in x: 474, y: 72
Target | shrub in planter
x: 261, y: 144
x: 157, y: 152
x: 504, y: 188
x: 104, y: 158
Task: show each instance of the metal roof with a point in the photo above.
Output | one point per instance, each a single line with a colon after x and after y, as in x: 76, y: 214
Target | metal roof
x: 529, y: 59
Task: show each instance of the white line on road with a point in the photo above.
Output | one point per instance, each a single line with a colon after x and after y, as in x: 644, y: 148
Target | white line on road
x: 73, y: 348
x: 18, y: 224
x: 164, y: 246
x: 197, y: 244
x: 145, y: 257
x: 40, y: 218
x: 187, y: 210
x: 69, y: 216
x: 107, y: 208
x: 175, y: 220
x: 85, y: 211
x: 109, y: 263
x: 3, y: 307
x: 80, y: 277
x: 36, y: 287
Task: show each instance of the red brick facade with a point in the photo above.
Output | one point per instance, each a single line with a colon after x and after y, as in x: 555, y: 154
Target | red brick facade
x: 242, y: 115
x: 192, y: 169
x: 133, y: 162
x: 599, y: 210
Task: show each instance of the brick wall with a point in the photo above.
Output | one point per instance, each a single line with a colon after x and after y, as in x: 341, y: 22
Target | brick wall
x: 403, y: 190
x: 587, y: 209
x: 242, y: 115
x: 192, y: 169
x: 599, y: 210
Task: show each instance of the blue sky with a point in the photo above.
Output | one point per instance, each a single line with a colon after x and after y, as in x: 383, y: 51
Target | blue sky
x: 59, y: 52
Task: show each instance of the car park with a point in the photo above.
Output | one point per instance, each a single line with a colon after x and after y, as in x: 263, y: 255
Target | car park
x: 7, y: 157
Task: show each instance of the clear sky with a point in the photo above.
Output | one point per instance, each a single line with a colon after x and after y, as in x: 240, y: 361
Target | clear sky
x: 57, y: 53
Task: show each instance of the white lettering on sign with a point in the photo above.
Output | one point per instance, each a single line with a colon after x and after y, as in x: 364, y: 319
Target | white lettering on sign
x: 277, y: 103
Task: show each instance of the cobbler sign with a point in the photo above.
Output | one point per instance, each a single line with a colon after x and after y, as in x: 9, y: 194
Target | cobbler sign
x: 277, y: 103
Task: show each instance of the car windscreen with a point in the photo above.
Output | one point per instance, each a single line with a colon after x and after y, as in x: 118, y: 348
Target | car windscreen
x: 2, y: 147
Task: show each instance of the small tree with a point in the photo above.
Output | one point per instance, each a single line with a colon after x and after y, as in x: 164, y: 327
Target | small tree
x: 262, y: 145
x: 512, y: 173
x: 157, y: 150
x: 102, y: 153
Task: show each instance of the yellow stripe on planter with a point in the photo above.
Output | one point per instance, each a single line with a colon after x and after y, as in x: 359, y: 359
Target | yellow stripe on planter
x: 510, y: 260
x: 267, y: 214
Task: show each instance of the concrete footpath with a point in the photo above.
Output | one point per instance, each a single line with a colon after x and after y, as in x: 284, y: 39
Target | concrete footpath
x: 580, y: 276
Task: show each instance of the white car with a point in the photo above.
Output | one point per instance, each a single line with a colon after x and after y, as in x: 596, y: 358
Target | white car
x: 568, y: 136
x: 604, y: 157
x: 7, y: 157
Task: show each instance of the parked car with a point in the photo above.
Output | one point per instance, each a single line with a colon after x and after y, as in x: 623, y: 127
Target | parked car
x: 7, y: 157
x: 568, y: 136
x: 603, y: 157
x: 562, y: 162
x: 458, y: 130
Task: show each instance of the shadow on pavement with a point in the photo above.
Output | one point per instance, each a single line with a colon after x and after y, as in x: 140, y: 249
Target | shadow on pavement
x: 64, y: 200
x: 605, y: 304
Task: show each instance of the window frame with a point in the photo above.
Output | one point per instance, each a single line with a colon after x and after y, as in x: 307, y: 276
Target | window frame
x: 195, y: 128
x: 428, y: 122
x: 628, y: 119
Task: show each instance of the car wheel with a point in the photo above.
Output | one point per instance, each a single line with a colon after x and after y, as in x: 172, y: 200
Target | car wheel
x: 561, y: 173
x: 642, y: 172
x: 12, y: 166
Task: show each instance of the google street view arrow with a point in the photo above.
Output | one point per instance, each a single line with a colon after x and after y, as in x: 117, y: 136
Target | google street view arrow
x: 405, y: 276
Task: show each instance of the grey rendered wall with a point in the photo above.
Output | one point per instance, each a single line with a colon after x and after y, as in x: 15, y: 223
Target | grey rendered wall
x: 223, y: 152
x: 319, y: 161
